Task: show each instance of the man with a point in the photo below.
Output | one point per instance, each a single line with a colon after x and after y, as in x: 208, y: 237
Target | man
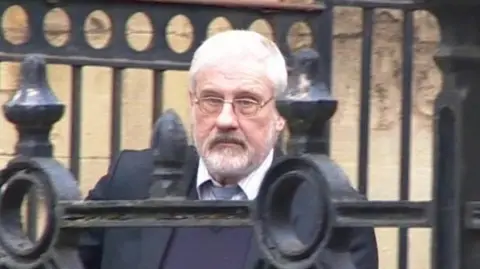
x: 234, y: 77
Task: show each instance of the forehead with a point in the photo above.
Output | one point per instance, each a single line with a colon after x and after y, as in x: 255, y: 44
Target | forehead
x: 231, y: 79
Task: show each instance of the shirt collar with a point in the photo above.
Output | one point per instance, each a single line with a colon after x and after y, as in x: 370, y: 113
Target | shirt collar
x: 250, y: 185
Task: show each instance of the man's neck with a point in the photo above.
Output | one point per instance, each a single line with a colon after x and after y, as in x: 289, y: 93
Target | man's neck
x: 227, y: 181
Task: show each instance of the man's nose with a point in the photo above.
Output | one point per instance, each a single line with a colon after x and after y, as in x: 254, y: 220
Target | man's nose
x: 227, y: 118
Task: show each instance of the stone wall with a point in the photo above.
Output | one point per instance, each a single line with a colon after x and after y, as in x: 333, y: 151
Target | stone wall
x: 385, y: 115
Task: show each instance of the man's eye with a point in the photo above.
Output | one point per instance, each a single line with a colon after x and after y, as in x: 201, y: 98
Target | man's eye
x: 246, y: 102
x: 213, y: 101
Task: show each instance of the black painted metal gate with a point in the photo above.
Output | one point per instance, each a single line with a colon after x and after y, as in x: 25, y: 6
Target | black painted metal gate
x: 453, y: 212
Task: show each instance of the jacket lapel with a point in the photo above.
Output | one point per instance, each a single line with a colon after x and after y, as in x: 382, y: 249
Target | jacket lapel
x: 156, y: 241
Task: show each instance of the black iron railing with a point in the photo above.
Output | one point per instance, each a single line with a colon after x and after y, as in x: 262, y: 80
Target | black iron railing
x: 453, y: 212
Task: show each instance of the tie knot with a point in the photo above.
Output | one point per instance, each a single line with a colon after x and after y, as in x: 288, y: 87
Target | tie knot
x: 225, y: 192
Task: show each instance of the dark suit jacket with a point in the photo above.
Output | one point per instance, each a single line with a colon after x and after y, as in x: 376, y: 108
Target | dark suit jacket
x: 141, y: 248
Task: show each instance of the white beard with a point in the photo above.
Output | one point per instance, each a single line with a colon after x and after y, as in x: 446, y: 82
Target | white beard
x: 233, y: 161
x: 228, y: 162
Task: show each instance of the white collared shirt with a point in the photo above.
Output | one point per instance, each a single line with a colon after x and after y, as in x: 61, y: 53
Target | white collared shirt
x: 249, y: 185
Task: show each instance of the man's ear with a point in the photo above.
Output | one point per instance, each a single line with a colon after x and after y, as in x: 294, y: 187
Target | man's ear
x: 280, y: 123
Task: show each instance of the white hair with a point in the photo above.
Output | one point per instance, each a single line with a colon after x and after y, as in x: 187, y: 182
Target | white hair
x: 234, y: 45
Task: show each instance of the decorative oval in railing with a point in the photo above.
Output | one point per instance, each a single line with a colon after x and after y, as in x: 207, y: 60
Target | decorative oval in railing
x: 84, y: 34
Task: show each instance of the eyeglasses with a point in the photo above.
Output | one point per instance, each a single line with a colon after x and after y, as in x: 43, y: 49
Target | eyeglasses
x: 241, y: 106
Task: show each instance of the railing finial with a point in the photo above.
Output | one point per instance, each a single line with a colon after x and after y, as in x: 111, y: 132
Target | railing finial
x: 169, y: 145
x: 307, y: 104
x: 34, y: 109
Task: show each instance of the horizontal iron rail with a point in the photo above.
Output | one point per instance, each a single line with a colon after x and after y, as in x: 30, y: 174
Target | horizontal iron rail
x: 383, y: 214
x: 94, y: 61
x: 396, y: 4
x: 249, y: 4
x: 155, y: 213
x: 160, y: 54
x: 186, y: 213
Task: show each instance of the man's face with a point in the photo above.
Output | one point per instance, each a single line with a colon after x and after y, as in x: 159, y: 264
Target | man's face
x: 234, y: 139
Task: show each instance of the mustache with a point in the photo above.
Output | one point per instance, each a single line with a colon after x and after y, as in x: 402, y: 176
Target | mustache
x: 227, y: 138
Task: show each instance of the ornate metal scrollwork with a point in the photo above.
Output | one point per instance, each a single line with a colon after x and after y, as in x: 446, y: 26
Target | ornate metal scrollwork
x: 18, y: 178
x: 269, y: 214
x: 274, y: 230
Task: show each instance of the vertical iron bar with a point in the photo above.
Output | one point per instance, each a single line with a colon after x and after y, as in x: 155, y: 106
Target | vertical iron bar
x: 457, y: 131
x: 445, y: 244
x: 157, y: 95
x: 76, y: 118
x: 367, y: 29
x: 116, y: 117
x: 406, y: 120
x: 325, y: 49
